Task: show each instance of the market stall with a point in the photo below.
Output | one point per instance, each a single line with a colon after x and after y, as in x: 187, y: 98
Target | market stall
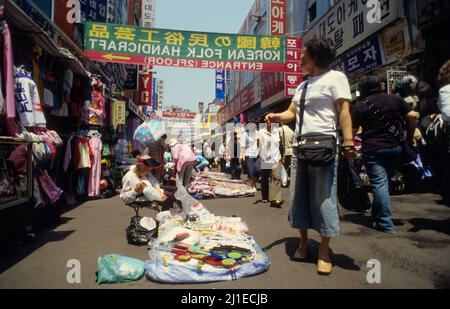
x: 194, y: 245
x: 211, y: 184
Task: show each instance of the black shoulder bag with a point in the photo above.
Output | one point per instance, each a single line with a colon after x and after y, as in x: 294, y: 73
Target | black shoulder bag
x: 408, y: 152
x: 315, y: 149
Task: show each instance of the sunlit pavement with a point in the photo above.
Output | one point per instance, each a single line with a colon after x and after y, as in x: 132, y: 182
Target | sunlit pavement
x: 416, y: 257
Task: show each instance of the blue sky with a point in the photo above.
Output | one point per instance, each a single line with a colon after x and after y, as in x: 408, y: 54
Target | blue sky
x: 187, y: 87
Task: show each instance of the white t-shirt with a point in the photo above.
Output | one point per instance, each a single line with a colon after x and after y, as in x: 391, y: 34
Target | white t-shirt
x: 270, y: 148
x: 248, y: 140
x: 320, y: 110
x: 444, y: 102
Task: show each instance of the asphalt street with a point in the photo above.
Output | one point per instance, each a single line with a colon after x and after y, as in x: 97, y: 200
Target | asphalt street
x: 416, y: 257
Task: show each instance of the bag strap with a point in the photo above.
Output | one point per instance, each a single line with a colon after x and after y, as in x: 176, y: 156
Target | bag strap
x: 302, y: 108
x: 388, y: 126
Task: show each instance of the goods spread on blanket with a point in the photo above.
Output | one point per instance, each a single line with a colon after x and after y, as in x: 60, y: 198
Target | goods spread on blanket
x: 209, y: 184
x: 194, y: 245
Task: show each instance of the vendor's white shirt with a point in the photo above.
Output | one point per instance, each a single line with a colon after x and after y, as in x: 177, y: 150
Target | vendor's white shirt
x: 444, y: 102
x: 248, y: 140
x: 129, y: 182
x: 320, y: 111
x: 270, y: 148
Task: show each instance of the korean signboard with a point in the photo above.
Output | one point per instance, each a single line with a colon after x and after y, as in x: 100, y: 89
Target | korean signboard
x: 149, y: 46
x: 94, y: 10
x: 144, y: 94
x: 160, y: 94
x: 293, y: 76
x: 131, y: 82
x: 154, y: 94
x: 148, y: 13
x: 362, y: 58
x: 352, y: 21
x: 277, y: 17
x: 220, y: 86
x: 120, y: 108
x: 118, y: 112
x: 179, y: 115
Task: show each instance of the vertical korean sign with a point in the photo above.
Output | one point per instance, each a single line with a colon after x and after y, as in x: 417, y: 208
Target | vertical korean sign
x: 293, y: 76
x: 154, y: 94
x: 148, y: 13
x: 120, y: 106
x: 94, y: 10
x: 160, y: 94
x: 277, y: 17
x: 220, y: 86
x: 144, y: 93
x: 146, y: 89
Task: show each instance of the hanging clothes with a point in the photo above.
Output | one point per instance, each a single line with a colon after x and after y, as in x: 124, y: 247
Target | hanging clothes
x: 82, y: 153
x: 66, y: 87
x: 95, y: 145
x: 2, y: 99
x: 8, y: 72
x: 97, y: 108
x: 28, y: 103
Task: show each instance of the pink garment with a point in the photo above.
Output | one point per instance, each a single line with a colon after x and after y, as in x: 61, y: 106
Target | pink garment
x: 94, y: 179
x: 19, y: 157
x: 8, y: 73
x: 182, y: 153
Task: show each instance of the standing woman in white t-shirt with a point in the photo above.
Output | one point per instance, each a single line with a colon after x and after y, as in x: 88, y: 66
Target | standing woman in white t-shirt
x: 327, y: 109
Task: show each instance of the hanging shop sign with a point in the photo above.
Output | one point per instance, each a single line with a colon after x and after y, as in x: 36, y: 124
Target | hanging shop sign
x: 160, y: 94
x: 148, y: 13
x: 94, y: 10
x: 351, y: 21
x: 277, y: 17
x: 363, y: 58
x: 144, y: 93
x: 179, y: 115
x: 204, y: 120
x: 154, y: 94
x: 118, y: 112
x: 220, y: 86
x: 121, y: 109
x: 131, y: 82
x: 138, y: 45
x: 293, y: 76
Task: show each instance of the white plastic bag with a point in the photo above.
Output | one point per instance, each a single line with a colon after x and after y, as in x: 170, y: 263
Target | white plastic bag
x: 284, y: 177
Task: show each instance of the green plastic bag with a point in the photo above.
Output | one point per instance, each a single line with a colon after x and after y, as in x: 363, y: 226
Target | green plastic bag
x: 114, y: 268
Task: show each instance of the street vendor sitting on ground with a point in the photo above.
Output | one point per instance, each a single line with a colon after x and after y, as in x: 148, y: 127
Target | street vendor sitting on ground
x: 139, y: 178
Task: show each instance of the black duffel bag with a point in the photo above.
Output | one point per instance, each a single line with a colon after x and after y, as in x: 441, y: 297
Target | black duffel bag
x: 137, y: 235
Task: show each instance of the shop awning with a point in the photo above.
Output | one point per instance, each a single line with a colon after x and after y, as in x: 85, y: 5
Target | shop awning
x: 18, y: 18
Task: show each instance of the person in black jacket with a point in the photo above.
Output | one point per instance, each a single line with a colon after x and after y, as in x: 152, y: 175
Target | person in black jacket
x: 381, y: 149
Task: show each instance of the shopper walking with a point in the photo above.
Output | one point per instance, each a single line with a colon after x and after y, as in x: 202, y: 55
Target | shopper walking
x: 271, y: 162
x: 381, y: 117
x: 184, y: 160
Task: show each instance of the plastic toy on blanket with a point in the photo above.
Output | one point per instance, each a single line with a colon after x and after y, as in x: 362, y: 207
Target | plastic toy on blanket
x: 194, y: 245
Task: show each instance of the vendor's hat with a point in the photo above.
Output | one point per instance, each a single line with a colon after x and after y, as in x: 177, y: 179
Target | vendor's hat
x: 147, y: 223
x: 171, y: 142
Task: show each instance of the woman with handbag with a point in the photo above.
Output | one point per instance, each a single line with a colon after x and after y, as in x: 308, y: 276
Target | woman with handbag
x: 382, y: 118
x: 321, y: 105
